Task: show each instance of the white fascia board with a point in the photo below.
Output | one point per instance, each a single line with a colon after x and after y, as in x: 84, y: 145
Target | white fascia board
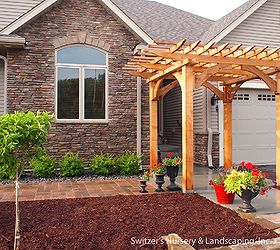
x: 238, y: 21
x: 131, y: 24
x: 27, y: 17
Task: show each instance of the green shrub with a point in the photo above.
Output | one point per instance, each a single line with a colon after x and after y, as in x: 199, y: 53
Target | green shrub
x: 103, y: 164
x: 43, y: 166
x: 129, y: 163
x: 71, y: 165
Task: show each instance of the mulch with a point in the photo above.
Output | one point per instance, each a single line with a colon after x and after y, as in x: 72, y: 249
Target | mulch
x: 123, y: 222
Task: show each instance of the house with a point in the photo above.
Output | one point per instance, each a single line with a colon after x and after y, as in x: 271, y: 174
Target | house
x: 66, y: 57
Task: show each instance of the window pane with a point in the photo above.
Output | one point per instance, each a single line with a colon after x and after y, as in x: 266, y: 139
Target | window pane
x: 95, y: 94
x: 68, y: 93
x: 81, y: 55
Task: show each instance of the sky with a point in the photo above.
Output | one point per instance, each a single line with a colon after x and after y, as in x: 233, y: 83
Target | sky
x: 212, y: 9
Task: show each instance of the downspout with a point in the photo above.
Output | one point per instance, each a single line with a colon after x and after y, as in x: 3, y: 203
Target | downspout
x: 209, y: 129
x: 221, y: 131
x: 139, y: 111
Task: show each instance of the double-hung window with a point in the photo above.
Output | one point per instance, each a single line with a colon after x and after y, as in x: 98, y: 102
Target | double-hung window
x: 81, y: 84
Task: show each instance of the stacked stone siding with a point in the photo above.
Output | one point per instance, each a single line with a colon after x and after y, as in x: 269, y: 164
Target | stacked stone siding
x: 200, y: 151
x: 31, y: 77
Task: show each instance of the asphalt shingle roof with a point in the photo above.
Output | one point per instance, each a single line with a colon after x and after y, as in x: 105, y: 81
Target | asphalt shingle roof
x: 217, y: 27
x: 163, y: 22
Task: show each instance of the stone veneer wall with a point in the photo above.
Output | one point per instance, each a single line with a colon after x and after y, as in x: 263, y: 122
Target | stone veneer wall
x: 200, y: 152
x: 31, y: 77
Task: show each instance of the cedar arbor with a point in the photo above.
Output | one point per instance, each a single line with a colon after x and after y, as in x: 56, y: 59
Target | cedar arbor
x: 193, y: 65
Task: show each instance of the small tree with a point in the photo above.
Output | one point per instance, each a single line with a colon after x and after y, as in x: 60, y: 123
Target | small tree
x: 20, y: 134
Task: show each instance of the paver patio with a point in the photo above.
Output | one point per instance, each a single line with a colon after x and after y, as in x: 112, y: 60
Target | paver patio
x: 72, y: 189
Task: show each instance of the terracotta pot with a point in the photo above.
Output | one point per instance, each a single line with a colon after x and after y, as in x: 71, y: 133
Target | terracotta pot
x: 222, y: 196
x: 247, y: 196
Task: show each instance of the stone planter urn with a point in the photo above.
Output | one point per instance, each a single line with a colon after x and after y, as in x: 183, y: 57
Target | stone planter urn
x: 247, y: 196
x: 143, y: 185
x: 159, y: 182
x: 172, y: 173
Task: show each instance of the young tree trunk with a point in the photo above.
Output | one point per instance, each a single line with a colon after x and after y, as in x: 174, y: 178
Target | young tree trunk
x: 17, y: 224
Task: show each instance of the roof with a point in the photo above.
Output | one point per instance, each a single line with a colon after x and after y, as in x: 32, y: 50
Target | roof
x: 163, y: 22
x: 10, y: 10
x: 157, y: 20
x: 232, y: 19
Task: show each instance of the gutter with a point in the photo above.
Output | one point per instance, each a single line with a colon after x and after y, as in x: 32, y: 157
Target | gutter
x: 9, y: 41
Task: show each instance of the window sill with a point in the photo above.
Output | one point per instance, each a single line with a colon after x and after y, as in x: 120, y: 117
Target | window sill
x: 106, y: 121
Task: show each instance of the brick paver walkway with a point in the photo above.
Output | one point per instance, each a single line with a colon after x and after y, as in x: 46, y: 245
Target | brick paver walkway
x: 72, y: 189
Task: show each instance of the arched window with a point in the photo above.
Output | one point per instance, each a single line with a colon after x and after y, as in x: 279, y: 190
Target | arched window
x: 81, y: 84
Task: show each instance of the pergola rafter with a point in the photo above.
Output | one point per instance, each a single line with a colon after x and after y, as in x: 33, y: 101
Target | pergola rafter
x: 193, y: 65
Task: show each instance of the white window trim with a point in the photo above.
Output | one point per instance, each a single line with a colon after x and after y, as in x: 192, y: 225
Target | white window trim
x: 5, y: 83
x: 81, y: 68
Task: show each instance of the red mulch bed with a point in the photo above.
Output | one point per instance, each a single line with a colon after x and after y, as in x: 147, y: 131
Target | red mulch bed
x: 110, y: 222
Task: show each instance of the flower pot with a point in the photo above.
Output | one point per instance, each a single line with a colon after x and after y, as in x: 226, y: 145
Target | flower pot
x: 159, y: 182
x: 172, y: 173
x: 143, y: 185
x: 222, y: 196
x: 247, y: 196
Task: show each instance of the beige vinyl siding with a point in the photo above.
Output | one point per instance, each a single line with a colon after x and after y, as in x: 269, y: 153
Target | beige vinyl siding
x: 10, y: 10
x: 261, y: 28
x: 2, y: 86
x: 172, y: 112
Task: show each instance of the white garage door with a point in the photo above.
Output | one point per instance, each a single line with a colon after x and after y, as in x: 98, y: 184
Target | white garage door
x: 254, y: 126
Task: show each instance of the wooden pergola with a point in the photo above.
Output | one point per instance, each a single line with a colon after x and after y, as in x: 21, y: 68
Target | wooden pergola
x: 193, y: 65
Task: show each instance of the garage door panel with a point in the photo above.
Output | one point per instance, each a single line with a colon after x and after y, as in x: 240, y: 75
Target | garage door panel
x: 254, y: 126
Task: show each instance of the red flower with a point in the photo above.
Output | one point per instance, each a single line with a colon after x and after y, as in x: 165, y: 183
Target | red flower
x: 147, y: 174
x: 169, y: 154
x: 255, y: 172
x: 255, y: 180
x: 266, y: 175
x: 243, y: 163
x: 266, y: 189
x: 249, y: 165
x: 178, y: 161
x: 159, y: 165
x: 262, y: 192
x: 211, y: 183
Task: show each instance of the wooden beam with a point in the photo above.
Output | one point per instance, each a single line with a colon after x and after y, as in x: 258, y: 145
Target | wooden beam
x: 187, y: 85
x: 203, y: 77
x: 153, y: 128
x: 156, y: 89
x: 278, y: 129
x: 144, y: 75
x: 216, y: 59
x: 215, y: 90
x: 157, y: 67
x: 227, y: 135
x: 268, y: 80
x: 245, y: 79
x: 163, y: 91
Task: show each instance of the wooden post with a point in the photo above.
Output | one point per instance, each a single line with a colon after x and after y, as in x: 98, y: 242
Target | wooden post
x: 278, y: 129
x: 153, y: 128
x: 187, y: 84
x: 228, y: 135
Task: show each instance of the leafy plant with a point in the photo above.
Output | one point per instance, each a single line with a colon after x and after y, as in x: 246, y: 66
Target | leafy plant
x: 103, y: 164
x: 147, y: 175
x: 20, y: 134
x: 43, y: 166
x: 129, y: 163
x: 219, y: 180
x: 160, y: 169
x: 171, y: 160
x: 247, y: 176
x: 71, y: 165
